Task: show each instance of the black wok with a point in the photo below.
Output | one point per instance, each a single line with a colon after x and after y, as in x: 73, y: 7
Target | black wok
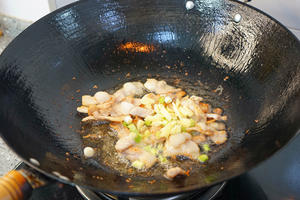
x: 84, y: 44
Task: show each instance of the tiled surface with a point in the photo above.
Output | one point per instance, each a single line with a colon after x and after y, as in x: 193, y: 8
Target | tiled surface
x: 7, y: 158
x: 285, y: 11
x: 10, y: 28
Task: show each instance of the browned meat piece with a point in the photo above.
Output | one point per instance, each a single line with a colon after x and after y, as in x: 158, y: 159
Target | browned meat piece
x: 159, y: 87
x: 199, y: 138
x: 173, y: 172
x: 219, y: 137
x: 136, y: 153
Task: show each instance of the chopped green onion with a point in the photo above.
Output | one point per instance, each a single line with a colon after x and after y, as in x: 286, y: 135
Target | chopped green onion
x: 162, y: 159
x: 154, y: 151
x: 165, y: 113
x: 187, y: 122
x: 202, y: 158
x: 133, y: 128
x: 161, y: 100
x: 138, y: 164
x: 186, y: 111
x: 206, y: 147
x: 147, y: 148
x: 138, y: 138
x: 124, y: 124
x: 155, y: 119
x: 151, y: 149
x: 157, y: 134
x: 176, y: 129
x: 160, y: 147
x: 193, y: 123
x: 147, y: 133
x: 148, y: 122
x: 178, y: 114
x: 140, y: 125
x: 169, y: 128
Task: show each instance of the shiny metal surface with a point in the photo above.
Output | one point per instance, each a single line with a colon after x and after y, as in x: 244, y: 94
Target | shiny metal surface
x: 83, y: 40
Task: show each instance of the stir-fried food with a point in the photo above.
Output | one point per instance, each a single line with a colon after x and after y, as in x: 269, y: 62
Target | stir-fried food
x: 155, y: 122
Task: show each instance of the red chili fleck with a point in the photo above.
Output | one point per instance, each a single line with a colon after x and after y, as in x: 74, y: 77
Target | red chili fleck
x: 187, y: 172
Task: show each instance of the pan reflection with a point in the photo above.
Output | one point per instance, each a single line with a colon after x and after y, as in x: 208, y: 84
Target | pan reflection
x: 230, y: 44
x: 164, y: 36
x: 67, y: 24
x: 110, y: 19
x: 231, y: 48
x: 215, y: 8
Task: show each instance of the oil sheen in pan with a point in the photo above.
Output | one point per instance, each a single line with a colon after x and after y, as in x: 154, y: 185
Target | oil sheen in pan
x: 103, y: 138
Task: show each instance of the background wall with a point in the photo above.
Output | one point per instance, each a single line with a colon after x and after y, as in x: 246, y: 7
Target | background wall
x: 61, y: 3
x: 30, y: 10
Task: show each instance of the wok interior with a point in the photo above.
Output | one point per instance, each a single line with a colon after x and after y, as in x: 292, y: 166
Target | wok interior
x: 84, y: 45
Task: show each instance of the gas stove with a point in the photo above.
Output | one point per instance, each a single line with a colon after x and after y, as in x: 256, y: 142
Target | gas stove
x: 208, y: 194
x: 276, y: 179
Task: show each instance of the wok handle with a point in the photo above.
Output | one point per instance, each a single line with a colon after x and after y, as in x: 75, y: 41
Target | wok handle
x: 14, y: 186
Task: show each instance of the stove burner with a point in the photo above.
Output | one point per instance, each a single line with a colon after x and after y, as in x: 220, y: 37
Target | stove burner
x: 59, y: 191
x: 209, y: 194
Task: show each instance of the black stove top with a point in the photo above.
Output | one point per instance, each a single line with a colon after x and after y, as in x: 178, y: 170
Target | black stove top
x: 277, y: 179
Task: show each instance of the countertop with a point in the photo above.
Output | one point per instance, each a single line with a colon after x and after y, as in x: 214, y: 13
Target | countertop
x: 10, y: 28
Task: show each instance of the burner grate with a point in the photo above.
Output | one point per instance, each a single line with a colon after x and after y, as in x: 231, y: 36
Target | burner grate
x: 209, y: 194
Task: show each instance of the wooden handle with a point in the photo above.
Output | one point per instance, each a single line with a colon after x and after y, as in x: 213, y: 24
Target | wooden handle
x: 14, y: 186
